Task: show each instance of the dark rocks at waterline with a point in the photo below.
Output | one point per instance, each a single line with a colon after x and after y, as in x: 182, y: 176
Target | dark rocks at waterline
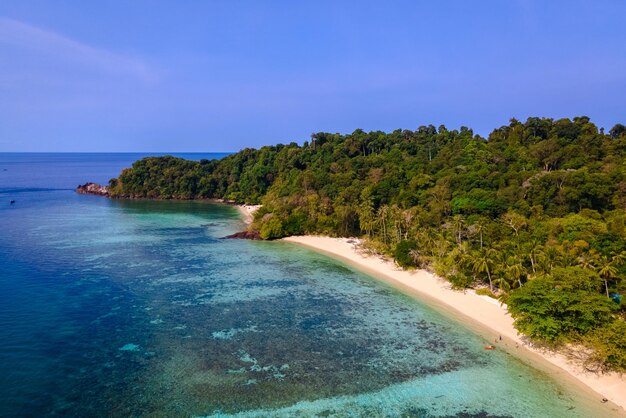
x: 244, y: 235
x: 92, y: 188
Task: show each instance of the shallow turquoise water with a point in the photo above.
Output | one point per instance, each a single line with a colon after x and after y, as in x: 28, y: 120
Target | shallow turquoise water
x: 135, y: 308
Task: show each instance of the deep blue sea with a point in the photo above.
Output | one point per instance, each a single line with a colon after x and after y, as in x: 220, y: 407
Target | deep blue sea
x: 137, y: 308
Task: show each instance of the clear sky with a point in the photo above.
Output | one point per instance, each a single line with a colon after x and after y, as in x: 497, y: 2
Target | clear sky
x: 223, y: 75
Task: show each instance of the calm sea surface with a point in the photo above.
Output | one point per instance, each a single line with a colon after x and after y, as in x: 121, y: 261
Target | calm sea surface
x: 137, y: 308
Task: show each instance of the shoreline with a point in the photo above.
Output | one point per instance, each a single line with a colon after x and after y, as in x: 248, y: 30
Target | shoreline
x: 486, y: 315
x: 248, y: 212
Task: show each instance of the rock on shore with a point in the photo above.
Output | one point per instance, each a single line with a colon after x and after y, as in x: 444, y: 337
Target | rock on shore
x: 92, y: 188
x: 244, y: 235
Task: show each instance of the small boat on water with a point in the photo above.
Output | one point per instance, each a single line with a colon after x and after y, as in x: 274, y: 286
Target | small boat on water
x: 490, y: 347
x: 12, y: 202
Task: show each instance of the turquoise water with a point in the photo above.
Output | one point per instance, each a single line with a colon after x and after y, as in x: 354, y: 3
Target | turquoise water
x: 137, y: 308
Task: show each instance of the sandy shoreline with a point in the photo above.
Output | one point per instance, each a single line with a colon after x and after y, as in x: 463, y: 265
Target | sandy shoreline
x: 492, y: 318
x: 248, y: 212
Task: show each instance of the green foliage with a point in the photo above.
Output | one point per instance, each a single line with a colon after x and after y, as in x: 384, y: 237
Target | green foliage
x: 483, y: 291
x: 272, y: 229
x: 609, y: 346
x: 478, y: 201
x: 404, y: 253
x: 574, y: 227
x: 560, y: 308
x: 460, y: 281
x: 536, y: 211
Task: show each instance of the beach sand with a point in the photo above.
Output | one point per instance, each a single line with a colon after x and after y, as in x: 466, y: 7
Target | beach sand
x: 487, y: 316
x: 248, y: 212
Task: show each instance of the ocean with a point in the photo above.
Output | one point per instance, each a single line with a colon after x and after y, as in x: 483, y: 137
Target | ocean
x: 138, y: 308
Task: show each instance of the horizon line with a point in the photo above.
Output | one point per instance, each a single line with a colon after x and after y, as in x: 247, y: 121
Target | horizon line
x: 118, y: 152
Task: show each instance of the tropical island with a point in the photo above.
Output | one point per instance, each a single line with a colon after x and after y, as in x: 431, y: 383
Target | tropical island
x: 533, y: 216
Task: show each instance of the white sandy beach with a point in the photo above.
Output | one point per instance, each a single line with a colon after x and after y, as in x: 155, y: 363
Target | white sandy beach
x: 486, y: 314
x: 248, y: 212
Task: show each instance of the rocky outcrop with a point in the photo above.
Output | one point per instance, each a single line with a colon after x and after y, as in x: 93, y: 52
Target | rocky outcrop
x: 244, y: 235
x: 93, y: 188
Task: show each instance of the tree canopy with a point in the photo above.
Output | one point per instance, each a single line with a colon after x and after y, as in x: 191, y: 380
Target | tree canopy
x: 536, y: 211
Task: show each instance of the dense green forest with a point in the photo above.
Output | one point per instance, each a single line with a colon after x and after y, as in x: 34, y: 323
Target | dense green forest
x: 534, y: 214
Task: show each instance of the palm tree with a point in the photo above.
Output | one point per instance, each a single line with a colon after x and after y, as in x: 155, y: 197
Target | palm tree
x: 533, y: 251
x: 550, y: 256
x: 408, y: 220
x: 381, y: 220
x: 483, y: 263
x: 618, y: 259
x: 461, y: 254
x: 588, y: 260
x: 502, y: 284
x: 440, y: 245
x: 607, y: 268
x: 515, y: 269
x: 458, y: 224
x: 397, y: 219
x: 478, y: 228
x: 366, y: 217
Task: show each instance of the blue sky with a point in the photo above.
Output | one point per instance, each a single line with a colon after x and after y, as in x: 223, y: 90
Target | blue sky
x: 223, y: 75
